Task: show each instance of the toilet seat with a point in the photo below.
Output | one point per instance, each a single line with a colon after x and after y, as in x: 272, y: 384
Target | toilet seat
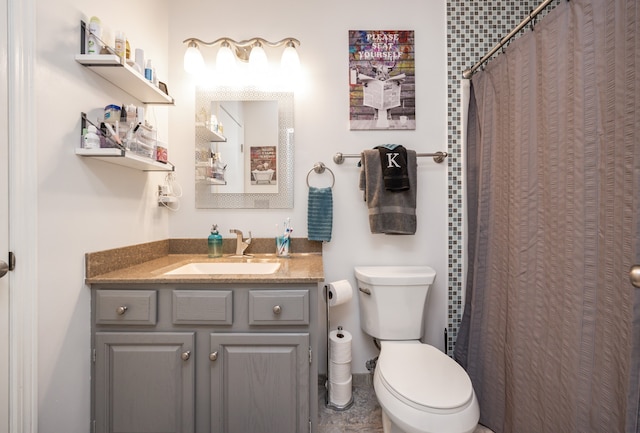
x: 423, y: 377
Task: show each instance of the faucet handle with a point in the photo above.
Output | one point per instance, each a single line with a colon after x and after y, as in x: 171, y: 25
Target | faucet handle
x: 248, y: 241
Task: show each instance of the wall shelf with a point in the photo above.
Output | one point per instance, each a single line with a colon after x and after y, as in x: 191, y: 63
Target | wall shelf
x: 114, y: 69
x: 204, y: 130
x: 121, y: 156
x: 125, y: 158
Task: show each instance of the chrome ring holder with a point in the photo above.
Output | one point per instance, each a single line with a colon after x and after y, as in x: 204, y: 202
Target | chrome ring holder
x: 319, y: 168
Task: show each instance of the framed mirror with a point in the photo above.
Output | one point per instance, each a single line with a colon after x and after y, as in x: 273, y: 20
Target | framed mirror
x: 243, y: 149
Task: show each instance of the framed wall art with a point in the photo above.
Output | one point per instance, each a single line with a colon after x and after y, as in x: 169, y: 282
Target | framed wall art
x: 381, y: 80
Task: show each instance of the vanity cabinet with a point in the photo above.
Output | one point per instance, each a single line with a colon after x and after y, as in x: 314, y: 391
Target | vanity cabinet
x: 260, y: 382
x: 223, y: 358
x: 144, y: 382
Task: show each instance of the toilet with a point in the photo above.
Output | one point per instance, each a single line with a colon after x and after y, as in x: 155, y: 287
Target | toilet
x: 419, y: 388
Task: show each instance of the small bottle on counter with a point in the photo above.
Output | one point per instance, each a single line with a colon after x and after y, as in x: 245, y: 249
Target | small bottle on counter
x: 215, y: 242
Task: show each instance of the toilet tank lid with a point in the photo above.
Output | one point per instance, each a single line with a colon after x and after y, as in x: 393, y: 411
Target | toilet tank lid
x: 395, y: 275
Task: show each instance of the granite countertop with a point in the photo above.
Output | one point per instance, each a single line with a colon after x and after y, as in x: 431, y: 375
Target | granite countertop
x: 148, y: 263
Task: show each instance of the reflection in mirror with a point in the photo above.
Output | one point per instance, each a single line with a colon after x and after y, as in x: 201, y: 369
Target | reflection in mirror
x: 244, y: 149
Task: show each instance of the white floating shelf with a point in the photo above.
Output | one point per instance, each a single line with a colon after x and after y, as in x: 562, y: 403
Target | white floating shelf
x: 125, y: 158
x: 113, y: 68
x: 208, y: 133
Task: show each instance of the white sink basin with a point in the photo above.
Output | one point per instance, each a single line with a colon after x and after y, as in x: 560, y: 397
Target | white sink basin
x: 225, y: 268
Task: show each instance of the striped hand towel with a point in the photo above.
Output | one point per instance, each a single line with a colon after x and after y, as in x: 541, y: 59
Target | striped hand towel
x: 320, y: 214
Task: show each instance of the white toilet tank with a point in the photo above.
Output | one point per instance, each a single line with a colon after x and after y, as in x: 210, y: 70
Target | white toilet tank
x: 392, y: 300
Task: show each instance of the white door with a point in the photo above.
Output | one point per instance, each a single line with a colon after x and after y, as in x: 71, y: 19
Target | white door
x: 4, y: 226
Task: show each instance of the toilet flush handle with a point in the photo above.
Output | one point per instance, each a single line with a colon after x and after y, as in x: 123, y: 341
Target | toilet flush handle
x: 365, y: 291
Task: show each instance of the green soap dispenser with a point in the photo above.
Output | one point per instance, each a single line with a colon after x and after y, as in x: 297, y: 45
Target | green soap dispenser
x: 215, y: 242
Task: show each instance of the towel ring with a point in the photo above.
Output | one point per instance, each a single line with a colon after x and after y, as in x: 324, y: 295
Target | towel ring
x: 319, y: 168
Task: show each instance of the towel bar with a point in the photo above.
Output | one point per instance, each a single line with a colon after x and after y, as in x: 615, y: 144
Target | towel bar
x: 438, y: 157
x: 319, y: 168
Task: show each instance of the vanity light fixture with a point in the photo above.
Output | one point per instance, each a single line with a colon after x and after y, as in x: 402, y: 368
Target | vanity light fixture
x: 249, y: 50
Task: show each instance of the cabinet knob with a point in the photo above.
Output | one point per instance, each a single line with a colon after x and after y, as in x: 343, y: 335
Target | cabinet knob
x: 186, y: 355
x: 277, y: 309
x: 213, y: 356
x: 121, y: 310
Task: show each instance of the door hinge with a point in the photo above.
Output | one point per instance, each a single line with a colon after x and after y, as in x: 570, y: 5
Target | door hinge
x: 93, y: 355
x: 12, y: 261
x: 310, y: 355
x: 309, y: 425
x: 93, y: 426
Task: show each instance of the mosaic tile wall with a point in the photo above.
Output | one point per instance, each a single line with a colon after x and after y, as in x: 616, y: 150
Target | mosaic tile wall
x: 473, y: 28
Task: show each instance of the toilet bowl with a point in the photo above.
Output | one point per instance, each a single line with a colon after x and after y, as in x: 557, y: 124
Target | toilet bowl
x: 419, y: 388
x: 422, y: 390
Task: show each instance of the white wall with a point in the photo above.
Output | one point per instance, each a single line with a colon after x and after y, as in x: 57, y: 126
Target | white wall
x: 84, y: 205
x: 321, y: 125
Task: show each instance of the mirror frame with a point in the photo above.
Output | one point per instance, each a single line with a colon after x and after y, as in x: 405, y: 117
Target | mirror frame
x: 283, y: 199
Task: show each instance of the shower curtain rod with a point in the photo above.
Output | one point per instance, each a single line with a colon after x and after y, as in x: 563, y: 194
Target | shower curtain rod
x: 469, y: 72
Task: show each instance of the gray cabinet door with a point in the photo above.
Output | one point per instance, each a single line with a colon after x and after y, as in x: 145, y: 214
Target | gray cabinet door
x: 144, y: 382
x: 259, y: 383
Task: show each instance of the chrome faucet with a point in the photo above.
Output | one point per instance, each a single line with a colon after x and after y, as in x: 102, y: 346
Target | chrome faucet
x: 241, y: 245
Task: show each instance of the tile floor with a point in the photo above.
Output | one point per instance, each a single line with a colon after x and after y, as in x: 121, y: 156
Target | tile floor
x: 362, y: 417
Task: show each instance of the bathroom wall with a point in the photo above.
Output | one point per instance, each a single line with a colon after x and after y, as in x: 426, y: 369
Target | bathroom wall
x: 83, y: 205
x: 321, y: 130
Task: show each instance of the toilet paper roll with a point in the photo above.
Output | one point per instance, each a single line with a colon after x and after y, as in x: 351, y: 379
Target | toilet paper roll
x: 339, y: 372
x: 340, y: 346
x: 340, y: 393
x: 340, y: 292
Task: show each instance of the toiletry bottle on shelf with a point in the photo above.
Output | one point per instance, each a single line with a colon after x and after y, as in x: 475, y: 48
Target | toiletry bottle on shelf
x: 139, y: 64
x: 91, y: 139
x: 93, y: 39
x: 215, y: 242
x: 213, y: 123
x: 148, y: 71
x: 120, y: 45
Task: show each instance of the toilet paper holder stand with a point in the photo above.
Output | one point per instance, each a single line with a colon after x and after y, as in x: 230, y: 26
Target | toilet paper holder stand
x: 327, y: 383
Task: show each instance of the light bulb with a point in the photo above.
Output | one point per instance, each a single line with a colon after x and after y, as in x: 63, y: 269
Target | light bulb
x: 225, y: 61
x: 193, y: 61
x: 290, y: 63
x: 258, y: 62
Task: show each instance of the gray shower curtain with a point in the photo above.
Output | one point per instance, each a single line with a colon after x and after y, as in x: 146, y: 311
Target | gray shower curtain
x: 553, y: 171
